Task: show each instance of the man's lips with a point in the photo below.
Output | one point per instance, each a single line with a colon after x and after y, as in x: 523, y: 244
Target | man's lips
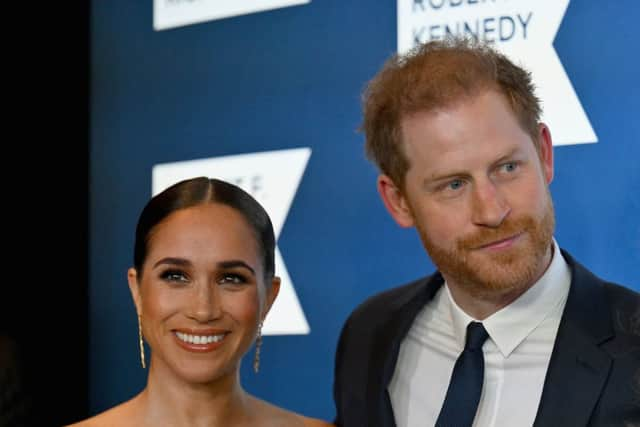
x: 501, y: 243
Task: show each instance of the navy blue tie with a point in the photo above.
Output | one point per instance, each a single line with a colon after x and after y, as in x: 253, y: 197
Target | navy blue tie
x: 461, y: 403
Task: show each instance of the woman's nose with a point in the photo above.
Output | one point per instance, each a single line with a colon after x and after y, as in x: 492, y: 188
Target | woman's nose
x: 206, y: 305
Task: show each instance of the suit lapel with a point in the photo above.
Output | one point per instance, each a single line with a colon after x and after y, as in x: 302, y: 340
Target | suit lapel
x: 577, y: 371
x: 578, y: 368
x: 388, y: 338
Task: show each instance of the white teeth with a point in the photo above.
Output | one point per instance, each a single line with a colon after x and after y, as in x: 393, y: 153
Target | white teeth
x: 199, y: 339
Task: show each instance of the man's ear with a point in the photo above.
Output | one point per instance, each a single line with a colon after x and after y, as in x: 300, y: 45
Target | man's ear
x: 395, y: 201
x: 134, y: 287
x: 546, y: 151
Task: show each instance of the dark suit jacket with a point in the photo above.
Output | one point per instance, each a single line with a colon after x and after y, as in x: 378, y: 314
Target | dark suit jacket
x: 593, y: 377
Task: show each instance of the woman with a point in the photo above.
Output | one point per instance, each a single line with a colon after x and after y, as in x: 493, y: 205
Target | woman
x: 202, y: 283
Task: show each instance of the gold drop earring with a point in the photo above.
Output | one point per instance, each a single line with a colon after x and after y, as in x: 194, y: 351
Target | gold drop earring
x: 256, y: 358
x: 144, y: 365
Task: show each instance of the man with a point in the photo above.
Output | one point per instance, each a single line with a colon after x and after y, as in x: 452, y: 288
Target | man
x: 454, y: 129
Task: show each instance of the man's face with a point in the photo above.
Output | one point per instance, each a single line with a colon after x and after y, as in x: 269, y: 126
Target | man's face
x: 477, y: 191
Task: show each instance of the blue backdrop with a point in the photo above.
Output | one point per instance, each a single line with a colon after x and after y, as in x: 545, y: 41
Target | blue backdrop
x: 290, y: 78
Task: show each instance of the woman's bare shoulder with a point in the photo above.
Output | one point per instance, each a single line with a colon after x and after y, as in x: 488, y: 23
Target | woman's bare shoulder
x: 272, y: 415
x: 314, y: 422
x: 120, y: 415
x: 107, y: 418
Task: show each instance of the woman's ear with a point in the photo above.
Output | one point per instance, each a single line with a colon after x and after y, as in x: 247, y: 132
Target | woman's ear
x: 134, y: 287
x: 272, y: 293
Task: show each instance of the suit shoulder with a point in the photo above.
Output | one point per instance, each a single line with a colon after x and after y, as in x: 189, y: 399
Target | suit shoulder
x: 379, y: 305
x: 598, y: 295
x: 622, y: 295
x: 625, y: 306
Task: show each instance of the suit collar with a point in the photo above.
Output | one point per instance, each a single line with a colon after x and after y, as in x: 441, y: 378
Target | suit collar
x: 586, y: 306
x: 402, y: 311
x: 577, y: 371
x: 578, y: 368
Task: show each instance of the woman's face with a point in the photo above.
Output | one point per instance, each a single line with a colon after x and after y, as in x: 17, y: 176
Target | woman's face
x: 201, y: 293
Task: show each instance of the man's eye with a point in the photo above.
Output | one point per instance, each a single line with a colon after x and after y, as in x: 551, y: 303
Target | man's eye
x: 456, y: 184
x: 510, y: 167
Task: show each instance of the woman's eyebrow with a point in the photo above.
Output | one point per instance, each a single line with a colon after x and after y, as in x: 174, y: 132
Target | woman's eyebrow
x: 236, y: 263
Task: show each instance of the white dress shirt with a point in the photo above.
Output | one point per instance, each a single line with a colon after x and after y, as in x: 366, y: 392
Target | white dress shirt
x: 516, y: 354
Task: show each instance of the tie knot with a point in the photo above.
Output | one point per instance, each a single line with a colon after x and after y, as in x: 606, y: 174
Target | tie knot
x: 476, y: 336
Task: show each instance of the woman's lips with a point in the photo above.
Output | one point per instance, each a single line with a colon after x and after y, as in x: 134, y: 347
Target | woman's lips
x: 201, y: 341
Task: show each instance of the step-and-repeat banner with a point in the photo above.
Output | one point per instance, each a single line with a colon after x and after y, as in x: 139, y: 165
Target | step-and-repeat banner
x: 266, y: 94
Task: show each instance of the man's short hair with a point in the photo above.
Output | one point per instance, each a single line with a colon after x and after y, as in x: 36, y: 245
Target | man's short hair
x: 437, y: 75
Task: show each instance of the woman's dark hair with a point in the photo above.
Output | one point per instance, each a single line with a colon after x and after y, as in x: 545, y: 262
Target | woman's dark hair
x: 198, y: 191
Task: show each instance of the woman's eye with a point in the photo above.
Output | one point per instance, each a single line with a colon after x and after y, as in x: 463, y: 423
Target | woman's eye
x: 174, y: 276
x: 232, y: 279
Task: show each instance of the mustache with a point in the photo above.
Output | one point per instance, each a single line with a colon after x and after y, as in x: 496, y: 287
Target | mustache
x: 507, y: 229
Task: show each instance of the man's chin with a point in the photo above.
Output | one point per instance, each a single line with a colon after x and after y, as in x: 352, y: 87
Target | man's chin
x: 493, y: 290
x: 491, y: 278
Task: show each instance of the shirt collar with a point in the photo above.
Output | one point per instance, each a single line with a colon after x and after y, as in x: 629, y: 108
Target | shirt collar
x: 509, y: 326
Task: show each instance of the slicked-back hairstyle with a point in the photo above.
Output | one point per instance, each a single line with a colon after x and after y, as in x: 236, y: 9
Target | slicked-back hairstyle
x: 198, y: 191
x: 437, y: 75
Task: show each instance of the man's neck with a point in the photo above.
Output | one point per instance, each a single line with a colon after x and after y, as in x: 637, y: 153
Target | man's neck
x: 481, y: 308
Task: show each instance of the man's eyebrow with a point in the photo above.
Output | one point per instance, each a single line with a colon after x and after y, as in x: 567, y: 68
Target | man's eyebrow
x: 436, y: 177
x: 507, y: 156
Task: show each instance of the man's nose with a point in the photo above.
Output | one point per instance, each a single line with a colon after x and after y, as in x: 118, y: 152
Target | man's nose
x: 489, y: 205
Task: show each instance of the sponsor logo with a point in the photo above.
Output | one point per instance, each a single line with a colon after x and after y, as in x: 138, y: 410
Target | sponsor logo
x: 523, y: 30
x: 177, y: 13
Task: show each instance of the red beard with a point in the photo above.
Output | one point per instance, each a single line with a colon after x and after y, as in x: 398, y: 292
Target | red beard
x: 487, y: 275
